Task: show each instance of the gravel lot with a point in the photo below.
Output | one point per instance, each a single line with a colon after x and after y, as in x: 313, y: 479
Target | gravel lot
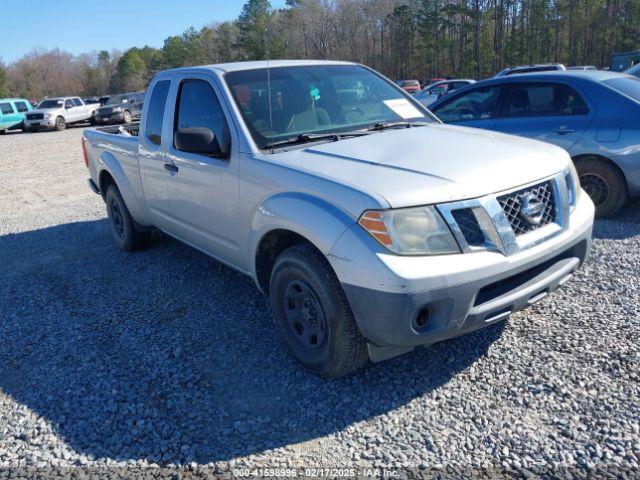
x: 167, y: 358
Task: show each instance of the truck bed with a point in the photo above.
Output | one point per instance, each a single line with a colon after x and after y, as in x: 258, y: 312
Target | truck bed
x: 132, y: 129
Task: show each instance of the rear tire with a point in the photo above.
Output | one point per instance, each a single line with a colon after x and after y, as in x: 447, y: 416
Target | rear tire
x: 313, y: 314
x: 126, y: 117
x: 61, y: 124
x: 604, y: 183
x: 122, y: 227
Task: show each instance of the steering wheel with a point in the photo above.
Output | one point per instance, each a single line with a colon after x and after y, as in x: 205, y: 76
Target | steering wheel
x: 353, y: 109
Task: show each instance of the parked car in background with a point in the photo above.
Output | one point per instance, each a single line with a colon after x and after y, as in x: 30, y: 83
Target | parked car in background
x: 595, y: 116
x: 122, y: 108
x: 635, y: 70
x: 540, y: 67
x: 12, y: 113
x: 410, y: 86
x: 90, y: 100
x: 439, y: 89
x: 59, y: 112
x: 372, y: 227
x: 582, y: 67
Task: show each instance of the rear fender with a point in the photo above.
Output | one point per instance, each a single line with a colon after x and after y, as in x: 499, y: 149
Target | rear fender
x: 135, y: 202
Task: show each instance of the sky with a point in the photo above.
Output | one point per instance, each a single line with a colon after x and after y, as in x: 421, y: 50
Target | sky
x: 79, y: 26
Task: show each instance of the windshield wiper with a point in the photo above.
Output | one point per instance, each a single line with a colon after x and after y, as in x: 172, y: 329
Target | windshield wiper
x: 312, y: 137
x: 386, y: 125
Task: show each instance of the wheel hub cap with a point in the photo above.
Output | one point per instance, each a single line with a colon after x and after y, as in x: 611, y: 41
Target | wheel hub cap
x: 304, y: 313
x: 596, y: 187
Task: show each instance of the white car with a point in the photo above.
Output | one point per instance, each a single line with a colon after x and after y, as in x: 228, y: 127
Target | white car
x: 58, y: 112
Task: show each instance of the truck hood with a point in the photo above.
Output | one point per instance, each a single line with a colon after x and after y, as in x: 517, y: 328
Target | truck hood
x: 432, y: 164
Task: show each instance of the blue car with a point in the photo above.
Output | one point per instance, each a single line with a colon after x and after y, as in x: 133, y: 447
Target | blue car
x: 12, y: 111
x: 595, y: 116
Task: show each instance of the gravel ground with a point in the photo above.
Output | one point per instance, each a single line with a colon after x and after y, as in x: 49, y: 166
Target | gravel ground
x: 166, y: 358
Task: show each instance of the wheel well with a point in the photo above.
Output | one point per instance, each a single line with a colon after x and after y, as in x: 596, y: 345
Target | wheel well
x: 271, y: 245
x: 601, y: 158
x: 104, y: 181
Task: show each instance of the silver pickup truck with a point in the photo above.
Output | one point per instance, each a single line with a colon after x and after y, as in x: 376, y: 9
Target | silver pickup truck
x: 56, y: 113
x: 373, y: 227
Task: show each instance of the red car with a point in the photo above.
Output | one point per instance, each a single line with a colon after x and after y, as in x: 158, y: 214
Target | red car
x: 410, y: 86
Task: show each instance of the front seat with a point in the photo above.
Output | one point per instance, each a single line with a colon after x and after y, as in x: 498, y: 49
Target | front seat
x: 305, y: 115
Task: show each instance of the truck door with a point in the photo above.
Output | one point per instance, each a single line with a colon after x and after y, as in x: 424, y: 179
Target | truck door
x: 153, y: 176
x: 203, y: 200
x: 70, y: 111
x: 550, y: 111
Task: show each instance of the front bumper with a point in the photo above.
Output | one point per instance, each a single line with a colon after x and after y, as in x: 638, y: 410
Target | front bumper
x: 40, y: 124
x: 391, y: 295
x: 117, y: 117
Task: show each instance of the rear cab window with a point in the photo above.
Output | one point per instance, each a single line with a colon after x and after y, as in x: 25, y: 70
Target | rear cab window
x: 155, y: 113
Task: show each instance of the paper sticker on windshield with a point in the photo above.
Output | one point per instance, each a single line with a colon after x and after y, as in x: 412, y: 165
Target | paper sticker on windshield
x: 402, y: 107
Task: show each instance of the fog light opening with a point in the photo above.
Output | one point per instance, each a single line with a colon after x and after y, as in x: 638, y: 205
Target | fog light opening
x: 423, y: 316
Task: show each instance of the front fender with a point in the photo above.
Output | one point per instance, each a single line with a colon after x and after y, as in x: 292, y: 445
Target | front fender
x: 317, y: 220
x: 132, y: 196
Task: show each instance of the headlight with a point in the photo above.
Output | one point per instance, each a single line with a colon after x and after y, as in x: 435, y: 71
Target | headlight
x: 410, y: 231
x: 47, y: 116
x: 573, y: 185
x: 117, y: 109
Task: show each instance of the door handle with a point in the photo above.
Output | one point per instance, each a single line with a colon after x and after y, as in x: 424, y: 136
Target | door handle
x: 563, y: 131
x: 170, y: 167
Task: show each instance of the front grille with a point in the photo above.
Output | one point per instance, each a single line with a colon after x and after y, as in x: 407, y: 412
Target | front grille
x: 469, y: 226
x: 35, y: 116
x: 511, y: 203
x: 104, y: 111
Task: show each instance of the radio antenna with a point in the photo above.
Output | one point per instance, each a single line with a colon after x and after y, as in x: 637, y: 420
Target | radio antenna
x: 266, y: 31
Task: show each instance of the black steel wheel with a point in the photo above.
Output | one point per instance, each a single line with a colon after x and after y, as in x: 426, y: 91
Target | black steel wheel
x: 313, y: 314
x: 122, y: 227
x: 604, y: 183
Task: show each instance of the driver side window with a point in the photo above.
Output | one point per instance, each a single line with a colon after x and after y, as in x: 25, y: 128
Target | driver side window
x: 68, y: 104
x: 479, y: 104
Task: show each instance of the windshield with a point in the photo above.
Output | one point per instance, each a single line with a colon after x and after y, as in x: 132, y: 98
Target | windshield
x: 50, y: 104
x: 630, y: 86
x: 317, y: 99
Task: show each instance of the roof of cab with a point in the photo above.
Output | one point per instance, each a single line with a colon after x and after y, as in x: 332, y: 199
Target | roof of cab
x: 253, y: 65
x: 13, y: 100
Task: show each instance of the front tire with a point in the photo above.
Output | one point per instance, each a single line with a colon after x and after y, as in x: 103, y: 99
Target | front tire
x: 61, y: 124
x: 313, y: 314
x: 604, y: 183
x: 124, y: 232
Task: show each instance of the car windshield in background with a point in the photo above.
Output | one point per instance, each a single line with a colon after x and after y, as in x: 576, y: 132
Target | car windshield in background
x: 628, y: 85
x: 50, y: 104
x: 317, y: 99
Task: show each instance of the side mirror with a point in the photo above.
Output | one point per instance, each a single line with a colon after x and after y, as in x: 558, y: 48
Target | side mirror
x: 200, y: 140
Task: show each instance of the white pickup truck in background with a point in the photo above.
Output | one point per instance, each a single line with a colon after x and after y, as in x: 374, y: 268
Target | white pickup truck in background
x: 372, y: 226
x: 59, y: 112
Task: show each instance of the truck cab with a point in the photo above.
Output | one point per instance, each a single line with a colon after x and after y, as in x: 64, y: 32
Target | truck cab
x: 372, y: 227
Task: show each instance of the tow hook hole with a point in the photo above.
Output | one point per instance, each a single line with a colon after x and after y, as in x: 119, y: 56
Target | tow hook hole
x: 423, y: 316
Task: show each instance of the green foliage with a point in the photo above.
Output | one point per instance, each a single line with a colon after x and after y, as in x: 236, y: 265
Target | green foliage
x: 4, y: 83
x: 401, y: 38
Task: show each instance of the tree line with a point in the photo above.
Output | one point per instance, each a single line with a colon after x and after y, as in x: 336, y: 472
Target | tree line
x: 401, y: 38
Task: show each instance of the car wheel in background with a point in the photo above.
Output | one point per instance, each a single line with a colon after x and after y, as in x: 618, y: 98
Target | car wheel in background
x: 604, y: 183
x: 126, y: 116
x: 92, y: 120
x: 124, y: 232
x: 313, y: 315
x: 61, y: 124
